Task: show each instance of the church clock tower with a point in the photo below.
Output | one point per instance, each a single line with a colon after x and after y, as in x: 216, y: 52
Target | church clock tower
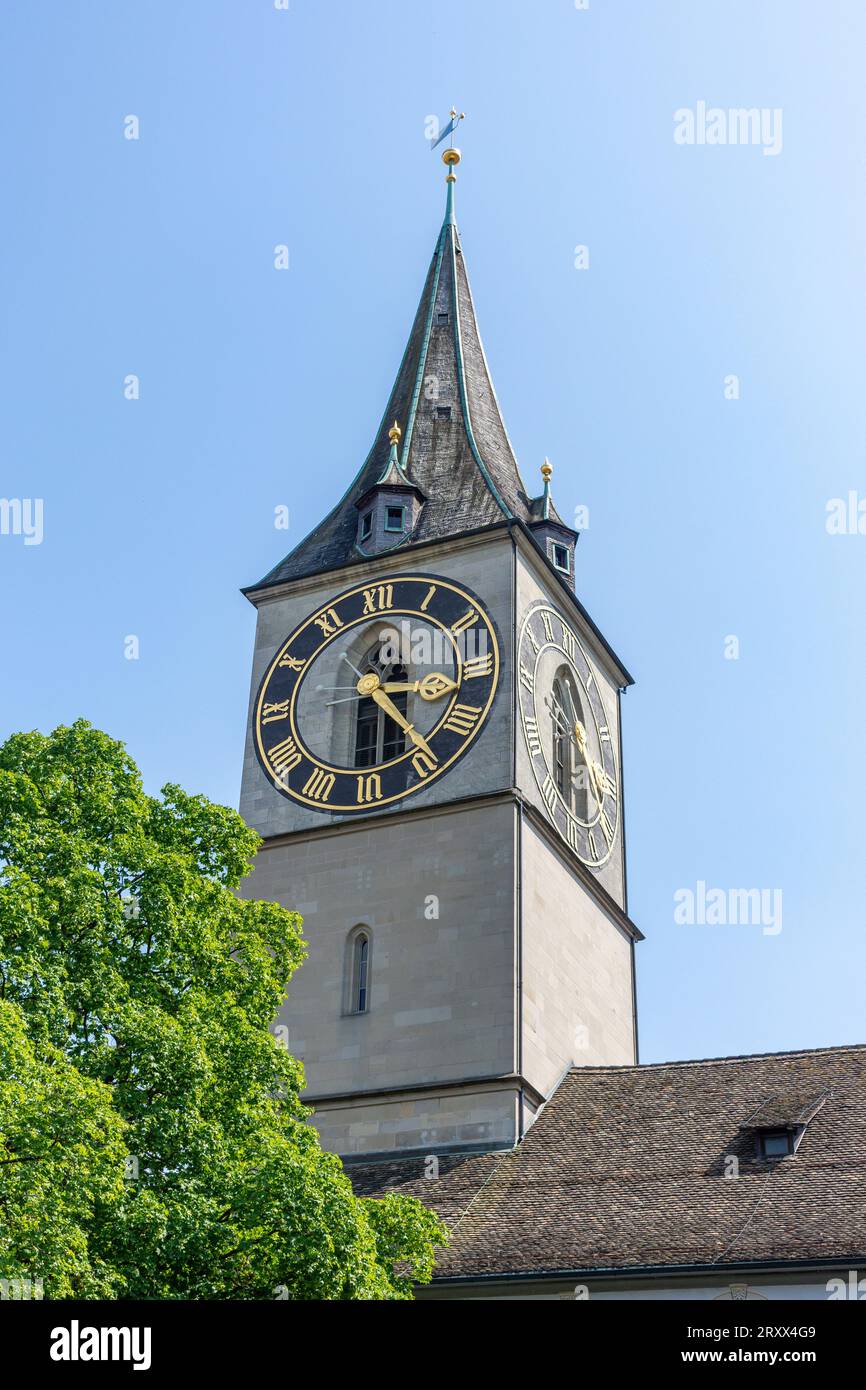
x: 433, y: 761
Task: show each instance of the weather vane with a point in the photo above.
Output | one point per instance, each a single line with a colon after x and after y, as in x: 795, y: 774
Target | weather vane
x: 450, y: 128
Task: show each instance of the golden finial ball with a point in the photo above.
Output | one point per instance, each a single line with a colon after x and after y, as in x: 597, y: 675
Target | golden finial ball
x: 451, y: 157
x: 547, y: 470
x: 394, y: 433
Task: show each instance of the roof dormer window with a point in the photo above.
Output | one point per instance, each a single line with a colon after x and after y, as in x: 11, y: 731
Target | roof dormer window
x: 443, y: 412
x: 779, y: 1122
x: 394, y: 518
x: 561, y: 557
x: 442, y: 318
x: 776, y: 1143
x: 366, y: 526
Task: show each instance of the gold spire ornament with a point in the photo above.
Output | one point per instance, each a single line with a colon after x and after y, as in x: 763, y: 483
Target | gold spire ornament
x: 395, y: 433
x: 451, y: 157
x: 547, y: 470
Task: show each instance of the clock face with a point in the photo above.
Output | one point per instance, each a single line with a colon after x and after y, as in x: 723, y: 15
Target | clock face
x: 567, y: 735
x: 376, y: 694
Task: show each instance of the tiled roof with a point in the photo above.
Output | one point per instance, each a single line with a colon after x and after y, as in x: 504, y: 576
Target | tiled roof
x: 626, y: 1168
x: 464, y: 464
x: 787, y: 1109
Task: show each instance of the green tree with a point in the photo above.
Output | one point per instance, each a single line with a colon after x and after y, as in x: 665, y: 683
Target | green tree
x: 152, y: 1140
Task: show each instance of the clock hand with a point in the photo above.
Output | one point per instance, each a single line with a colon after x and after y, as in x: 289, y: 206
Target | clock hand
x: 430, y: 687
x: 595, y: 771
x: 343, y: 699
x: 577, y: 730
x: 600, y: 778
x: 582, y: 742
x: 560, y: 722
x: 391, y: 709
x: 592, y: 773
x: 348, y: 663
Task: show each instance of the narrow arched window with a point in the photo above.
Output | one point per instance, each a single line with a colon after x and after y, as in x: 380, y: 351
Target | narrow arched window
x: 561, y: 744
x: 358, y: 972
x: 569, y: 761
x: 362, y: 966
x: 378, y: 737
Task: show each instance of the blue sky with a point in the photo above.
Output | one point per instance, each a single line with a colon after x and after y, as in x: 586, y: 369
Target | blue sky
x: 261, y: 388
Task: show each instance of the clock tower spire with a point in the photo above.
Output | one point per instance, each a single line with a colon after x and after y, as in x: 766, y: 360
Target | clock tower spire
x: 433, y: 762
x: 454, y: 453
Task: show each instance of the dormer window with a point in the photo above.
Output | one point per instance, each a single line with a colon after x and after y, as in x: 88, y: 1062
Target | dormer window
x: 561, y: 557
x: 394, y: 518
x: 366, y: 526
x: 443, y: 412
x: 442, y: 318
x: 778, y: 1124
x: 776, y: 1143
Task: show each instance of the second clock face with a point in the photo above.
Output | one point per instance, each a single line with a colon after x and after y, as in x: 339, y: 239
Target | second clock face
x: 567, y: 735
x: 377, y: 693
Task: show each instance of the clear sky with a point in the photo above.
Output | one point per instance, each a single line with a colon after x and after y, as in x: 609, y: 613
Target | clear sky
x: 260, y: 388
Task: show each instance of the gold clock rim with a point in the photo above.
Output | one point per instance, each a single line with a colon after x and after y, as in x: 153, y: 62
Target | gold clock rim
x: 409, y: 791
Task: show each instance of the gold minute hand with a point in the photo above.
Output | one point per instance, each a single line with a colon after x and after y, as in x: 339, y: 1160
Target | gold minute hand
x: 391, y: 709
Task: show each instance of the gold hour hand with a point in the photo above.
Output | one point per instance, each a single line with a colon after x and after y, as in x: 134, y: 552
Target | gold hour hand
x: 592, y: 770
x: 430, y: 687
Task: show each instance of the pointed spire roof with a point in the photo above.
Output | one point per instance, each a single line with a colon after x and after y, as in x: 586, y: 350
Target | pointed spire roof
x: 454, y: 446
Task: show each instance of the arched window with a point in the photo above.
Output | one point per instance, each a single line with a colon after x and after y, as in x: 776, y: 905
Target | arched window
x: 569, y: 765
x: 377, y: 736
x: 562, y: 743
x: 358, y: 972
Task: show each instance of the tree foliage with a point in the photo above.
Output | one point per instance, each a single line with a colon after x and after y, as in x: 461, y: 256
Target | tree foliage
x: 152, y: 1139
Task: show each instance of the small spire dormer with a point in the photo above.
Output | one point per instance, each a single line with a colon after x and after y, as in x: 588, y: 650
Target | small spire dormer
x: 551, y: 533
x: 388, y: 512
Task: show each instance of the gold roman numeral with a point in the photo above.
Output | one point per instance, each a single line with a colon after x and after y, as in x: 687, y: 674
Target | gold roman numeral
x: 369, y: 788
x: 572, y: 834
x: 294, y: 663
x: 271, y: 712
x: 526, y: 678
x: 604, y: 733
x: 469, y: 617
x: 536, y: 645
x: 478, y: 666
x: 548, y: 625
x: 424, y: 763
x: 284, y: 756
x: 463, y: 718
x: 430, y: 592
x: 319, y: 785
x: 376, y: 600
x: 329, y: 621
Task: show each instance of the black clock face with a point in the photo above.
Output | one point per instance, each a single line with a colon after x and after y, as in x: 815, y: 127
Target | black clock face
x: 377, y: 693
x: 567, y: 735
